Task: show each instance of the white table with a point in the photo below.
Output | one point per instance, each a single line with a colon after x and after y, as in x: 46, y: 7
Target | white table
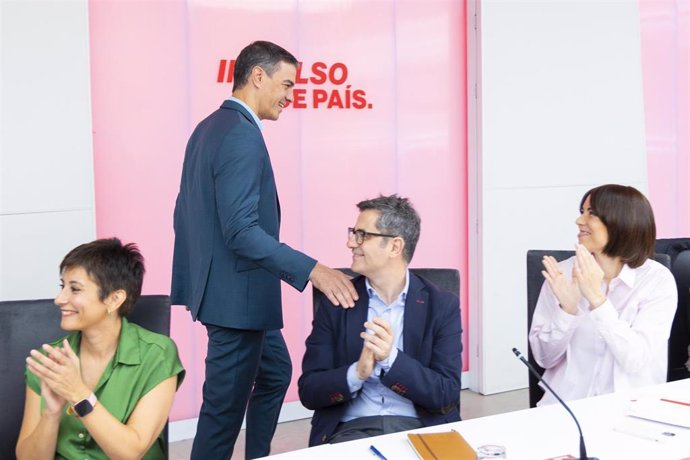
x: 541, y: 433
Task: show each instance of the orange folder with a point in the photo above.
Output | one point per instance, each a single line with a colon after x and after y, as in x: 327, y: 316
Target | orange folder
x: 447, y: 445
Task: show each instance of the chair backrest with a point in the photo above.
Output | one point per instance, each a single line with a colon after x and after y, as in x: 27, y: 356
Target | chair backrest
x: 445, y: 278
x: 678, y: 342
x: 535, y: 280
x: 26, y: 325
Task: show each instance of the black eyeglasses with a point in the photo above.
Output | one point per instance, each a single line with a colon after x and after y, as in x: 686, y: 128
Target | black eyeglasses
x: 361, y: 235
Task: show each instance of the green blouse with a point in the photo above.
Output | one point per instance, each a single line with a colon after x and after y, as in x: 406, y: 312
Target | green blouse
x: 143, y: 360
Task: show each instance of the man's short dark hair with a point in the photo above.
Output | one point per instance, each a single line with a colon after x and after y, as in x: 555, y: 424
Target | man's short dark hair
x: 112, y: 266
x: 629, y: 220
x: 264, y: 54
x: 396, y: 217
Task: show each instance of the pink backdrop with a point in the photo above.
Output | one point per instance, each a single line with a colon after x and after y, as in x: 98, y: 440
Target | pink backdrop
x: 155, y: 71
x: 665, y: 30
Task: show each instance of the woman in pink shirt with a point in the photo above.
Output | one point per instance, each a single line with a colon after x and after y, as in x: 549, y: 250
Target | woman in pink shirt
x: 603, y: 317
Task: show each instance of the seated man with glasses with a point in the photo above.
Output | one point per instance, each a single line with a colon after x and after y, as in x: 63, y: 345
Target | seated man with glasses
x: 393, y: 362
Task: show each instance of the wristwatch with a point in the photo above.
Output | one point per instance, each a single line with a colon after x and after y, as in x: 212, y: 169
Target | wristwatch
x: 85, y: 406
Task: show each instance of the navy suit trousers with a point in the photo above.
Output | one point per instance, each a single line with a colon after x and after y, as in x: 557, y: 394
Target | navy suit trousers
x: 245, y: 371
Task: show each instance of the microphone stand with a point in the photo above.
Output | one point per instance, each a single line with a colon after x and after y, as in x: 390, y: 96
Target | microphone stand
x: 583, y: 450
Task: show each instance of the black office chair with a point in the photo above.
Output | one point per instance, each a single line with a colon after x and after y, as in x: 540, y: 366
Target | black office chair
x: 445, y: 278
x: 679, y: 340
x: 26, y: 325
x: 534, y: 282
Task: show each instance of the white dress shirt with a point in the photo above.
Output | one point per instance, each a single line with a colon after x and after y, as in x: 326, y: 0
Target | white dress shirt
x: 622, y: 344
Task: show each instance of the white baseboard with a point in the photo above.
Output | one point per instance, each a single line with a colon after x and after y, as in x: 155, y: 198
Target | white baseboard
x: 181, y: 430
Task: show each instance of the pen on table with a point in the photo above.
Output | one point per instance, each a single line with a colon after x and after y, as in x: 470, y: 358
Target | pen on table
x: 377, y: 453
x: 675, y: 402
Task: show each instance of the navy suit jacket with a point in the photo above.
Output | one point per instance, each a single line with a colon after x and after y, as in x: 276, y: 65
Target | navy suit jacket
x: 228, y: 260
x: 427, y: 373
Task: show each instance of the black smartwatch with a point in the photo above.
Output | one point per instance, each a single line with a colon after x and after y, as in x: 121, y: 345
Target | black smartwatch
x: 85, y: 406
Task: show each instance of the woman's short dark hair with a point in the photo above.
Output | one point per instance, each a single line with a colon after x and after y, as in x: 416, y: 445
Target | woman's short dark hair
x: 629, y: 220
x: 112, y: 266
x: 264, y: 54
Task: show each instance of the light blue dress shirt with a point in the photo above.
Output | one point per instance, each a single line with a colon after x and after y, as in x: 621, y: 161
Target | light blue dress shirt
x: 244, y: 104
x: 371, y: 397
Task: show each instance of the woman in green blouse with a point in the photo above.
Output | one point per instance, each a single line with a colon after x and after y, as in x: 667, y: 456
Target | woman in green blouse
x: 105, y: 390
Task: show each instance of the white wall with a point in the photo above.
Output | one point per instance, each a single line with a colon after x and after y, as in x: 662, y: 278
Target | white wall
x: 558, y: 111
x: 46, y: 164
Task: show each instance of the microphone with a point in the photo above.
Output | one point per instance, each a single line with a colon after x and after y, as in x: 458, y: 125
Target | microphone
x: 583, y: 450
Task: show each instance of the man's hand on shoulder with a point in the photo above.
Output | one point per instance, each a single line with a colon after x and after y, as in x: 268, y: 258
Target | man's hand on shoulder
x: 335, y: 284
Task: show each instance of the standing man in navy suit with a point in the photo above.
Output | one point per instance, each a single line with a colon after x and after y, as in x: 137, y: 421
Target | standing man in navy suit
x: 393, y: 362
x: 228, y: 261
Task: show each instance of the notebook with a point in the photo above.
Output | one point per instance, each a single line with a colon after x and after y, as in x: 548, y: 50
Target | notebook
x: 665, y: 410
x: 446, y: 445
